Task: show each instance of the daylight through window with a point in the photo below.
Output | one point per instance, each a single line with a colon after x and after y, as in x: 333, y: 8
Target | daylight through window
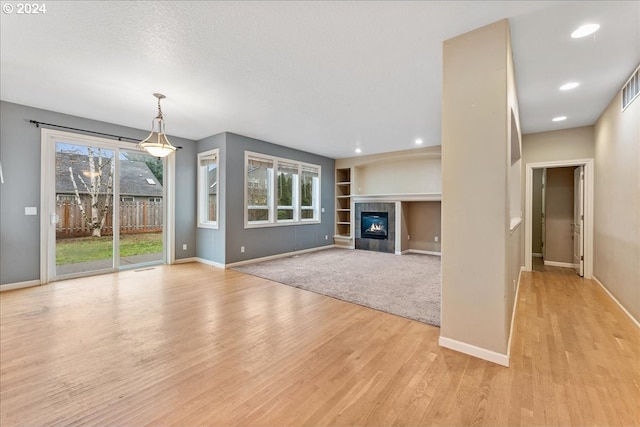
x: 208, y: 189
x: 280, y: 191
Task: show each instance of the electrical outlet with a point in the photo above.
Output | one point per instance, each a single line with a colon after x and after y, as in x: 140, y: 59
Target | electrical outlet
x: 184, y: 247
x: 408, y: 237
x: 241, y: 249
x: 326, y: 237
x: 435, y: 238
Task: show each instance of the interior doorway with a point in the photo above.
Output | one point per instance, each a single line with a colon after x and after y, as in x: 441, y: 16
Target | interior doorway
x: 559, y: 215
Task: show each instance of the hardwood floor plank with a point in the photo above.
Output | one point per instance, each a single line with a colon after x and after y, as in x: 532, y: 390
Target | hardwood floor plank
x: 195, y: 345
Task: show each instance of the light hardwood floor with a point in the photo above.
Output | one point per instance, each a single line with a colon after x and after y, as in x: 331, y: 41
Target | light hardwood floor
x: 194, y: 345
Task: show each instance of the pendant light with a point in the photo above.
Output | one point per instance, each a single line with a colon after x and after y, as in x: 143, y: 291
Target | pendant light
x: 157, y: 143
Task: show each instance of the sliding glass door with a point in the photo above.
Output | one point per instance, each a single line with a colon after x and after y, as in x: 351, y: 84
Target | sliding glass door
x: 103, y: 206
x: 141, y: 208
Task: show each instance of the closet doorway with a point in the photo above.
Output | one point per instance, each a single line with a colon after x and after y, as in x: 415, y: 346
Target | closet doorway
x: 559, y: 215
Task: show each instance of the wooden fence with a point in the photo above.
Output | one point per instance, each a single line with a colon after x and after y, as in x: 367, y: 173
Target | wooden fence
x: 135, y: 217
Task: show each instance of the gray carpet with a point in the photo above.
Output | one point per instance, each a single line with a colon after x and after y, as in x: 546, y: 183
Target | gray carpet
x: 405, y: 285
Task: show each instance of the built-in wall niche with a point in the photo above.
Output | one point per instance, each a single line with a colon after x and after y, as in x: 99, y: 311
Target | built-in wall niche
x: 421, y: 227
x: 515, y: 174
x: 343, y: 207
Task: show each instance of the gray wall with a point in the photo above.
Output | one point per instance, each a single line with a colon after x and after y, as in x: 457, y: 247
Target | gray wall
x: 210, y: 242
x: 266, y: 241
x: 20, y: 156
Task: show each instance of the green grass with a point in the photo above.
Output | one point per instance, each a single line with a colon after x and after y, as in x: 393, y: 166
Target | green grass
x: 82, y: 249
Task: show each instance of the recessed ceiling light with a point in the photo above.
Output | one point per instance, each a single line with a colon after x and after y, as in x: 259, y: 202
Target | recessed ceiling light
x: 570, y: 85
x: 418, y: 141
x: 585, y: 30
x: 358, y: 150
x: 559, y: 118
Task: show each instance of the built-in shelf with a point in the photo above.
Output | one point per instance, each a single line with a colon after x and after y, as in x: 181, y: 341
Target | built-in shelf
x: 343, y: 207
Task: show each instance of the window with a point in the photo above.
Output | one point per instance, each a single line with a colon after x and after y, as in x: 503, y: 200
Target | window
x: 259, y: 187
x: 310, y: 193
x: 280, y: 191
x: 287, y: 191
x: 155, y: 199
x: 208, y: 189
x: 127, y: 198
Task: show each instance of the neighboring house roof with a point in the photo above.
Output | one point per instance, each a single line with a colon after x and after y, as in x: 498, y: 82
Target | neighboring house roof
x: 136, y: 179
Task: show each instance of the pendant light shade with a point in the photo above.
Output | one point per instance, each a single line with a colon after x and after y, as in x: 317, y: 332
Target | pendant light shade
x: 157, y: 143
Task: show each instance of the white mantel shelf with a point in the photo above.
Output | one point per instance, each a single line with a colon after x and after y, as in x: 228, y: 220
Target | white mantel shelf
x: 398, y: 197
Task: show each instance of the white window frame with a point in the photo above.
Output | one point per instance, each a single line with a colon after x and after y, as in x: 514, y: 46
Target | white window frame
x: 203, y: 190
x: 273, y: 207
x: 315, y: 197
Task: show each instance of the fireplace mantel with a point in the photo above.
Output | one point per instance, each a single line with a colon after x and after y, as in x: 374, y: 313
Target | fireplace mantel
x: 397, y: 197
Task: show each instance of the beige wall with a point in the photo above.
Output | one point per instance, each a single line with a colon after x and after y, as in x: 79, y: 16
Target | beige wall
x: 559, y: 215
x: 566, y: 144
x: 536, y: 207
x: 412, y: 175
x: 404, y: 226
x: 515, y: 237
x: 480, y: 256
x: 417, y: 171
x: 424, y: 219
x: 617, y: 203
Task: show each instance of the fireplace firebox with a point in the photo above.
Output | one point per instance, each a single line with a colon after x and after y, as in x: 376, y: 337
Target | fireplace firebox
x: 373, y: 225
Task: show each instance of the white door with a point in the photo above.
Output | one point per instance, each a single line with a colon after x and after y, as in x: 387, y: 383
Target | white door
x: 578, y: 219
x: 544, y: 184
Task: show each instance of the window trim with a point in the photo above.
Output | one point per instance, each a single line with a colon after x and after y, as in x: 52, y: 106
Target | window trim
x: 273, y: 196
x: 203, y: 194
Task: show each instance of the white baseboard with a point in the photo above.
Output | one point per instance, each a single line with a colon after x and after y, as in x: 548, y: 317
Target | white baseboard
x: 559, y: 264
x: 472, y: 350
x: 418, y: 251
x: 209, y: 262
x: 283, y: 255
x: 19, y: 285
x: 633, y: 319
x: 513, y: 313
x: 537, y: 255
x: 185, y: 260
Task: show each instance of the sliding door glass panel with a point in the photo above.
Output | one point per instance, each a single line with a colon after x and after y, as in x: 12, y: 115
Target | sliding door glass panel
x: 84, y: 208
x: 141, y: 208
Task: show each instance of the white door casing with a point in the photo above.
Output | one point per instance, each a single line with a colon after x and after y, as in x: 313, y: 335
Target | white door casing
x: 544, y: 213
x: 587, y: 222
x: 578, y: 219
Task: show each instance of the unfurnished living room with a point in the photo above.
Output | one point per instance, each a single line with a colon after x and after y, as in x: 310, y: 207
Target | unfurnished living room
x: 320, y: 213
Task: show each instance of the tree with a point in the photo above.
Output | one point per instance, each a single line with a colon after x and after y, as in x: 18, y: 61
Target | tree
x: 99, y: 189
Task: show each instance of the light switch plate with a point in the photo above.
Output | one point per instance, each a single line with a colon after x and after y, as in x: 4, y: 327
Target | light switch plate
x: 31, y: 210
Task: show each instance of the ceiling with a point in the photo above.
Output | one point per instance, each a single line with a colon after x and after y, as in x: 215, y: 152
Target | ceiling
x: 324, y: 77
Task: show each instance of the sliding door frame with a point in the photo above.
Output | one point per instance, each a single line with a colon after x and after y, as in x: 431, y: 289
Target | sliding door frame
x: 49, y: 138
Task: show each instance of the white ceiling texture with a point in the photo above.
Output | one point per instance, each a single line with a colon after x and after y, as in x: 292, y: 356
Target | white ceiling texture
x: 324, y: 77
